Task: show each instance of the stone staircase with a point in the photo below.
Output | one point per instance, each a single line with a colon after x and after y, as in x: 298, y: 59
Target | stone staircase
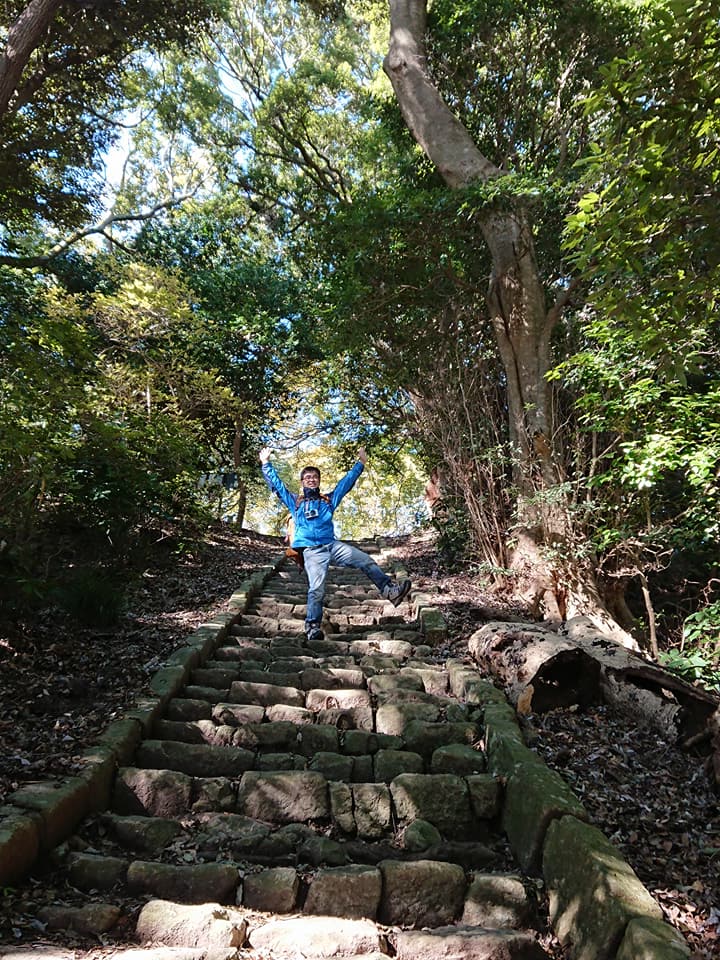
x: 363, y: 795
x: 300, y: 799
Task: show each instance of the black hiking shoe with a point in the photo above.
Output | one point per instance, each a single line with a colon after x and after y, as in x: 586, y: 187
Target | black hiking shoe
x: 396, y: 592
x: 313, y: 631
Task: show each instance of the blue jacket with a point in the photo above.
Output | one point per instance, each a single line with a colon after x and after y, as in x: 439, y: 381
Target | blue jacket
x: 312, y: 531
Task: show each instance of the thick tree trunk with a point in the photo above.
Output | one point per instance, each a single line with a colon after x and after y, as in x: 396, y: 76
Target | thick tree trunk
x: 543, y: 669
x: 516, y: 300
x: 24, y: 36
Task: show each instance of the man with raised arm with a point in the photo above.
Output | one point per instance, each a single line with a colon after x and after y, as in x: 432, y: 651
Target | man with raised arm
x: 314, y: 536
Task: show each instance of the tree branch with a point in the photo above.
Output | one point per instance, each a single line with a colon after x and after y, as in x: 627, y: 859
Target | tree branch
x: 9, y: 260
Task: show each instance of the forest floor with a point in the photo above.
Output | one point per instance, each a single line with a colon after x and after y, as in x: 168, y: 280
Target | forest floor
x: 61, y: 684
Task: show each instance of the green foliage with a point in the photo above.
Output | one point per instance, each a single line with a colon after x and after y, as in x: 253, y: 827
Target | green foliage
x: 110, y: 417
x: 644, y: 237
x: 248, y: 306
x: 694, y: 667
x: 697, y: 658
x: 515, y: 72
x: 645, y: 233
x: 63, y: 114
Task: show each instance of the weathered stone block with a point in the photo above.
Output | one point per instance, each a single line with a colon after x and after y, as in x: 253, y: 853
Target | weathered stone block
x: 425, y: 737
x: 19, y: 844
x: 317, y: 937
x: 197, y: 883
x: 387, y: 683
x: 322, y: 851
x: 166, y: 682
x: 212, y: 794
x: 332, y: 704
x: 423, y: 893
x: 297, y: 715
x: 593, y: 892
x: 197, y: 760
x: 150, y: 834
x: 434, y: 681
x: 184, y: 710
x: 498, y: 902
x: 155, y: 793
x: 91, y: 919
x: 485, y: 795
x: 534, y: 797
x: 60, y: 807
x: 397, y: 718
x: 274, y: 890
x: 442, y: 799
x: 218, y: 677
x: 284, y: 797
x: 649, y: 939
x: 506, y: 751
x: 433, y: 625
x: 399, y: 649
x: 98, y: 771
x: 467, y: 684
x: 458, y: 758
x: 91, y: 872
x: 449, y: 943
x: 362, y: 771
x: 317, y: 738
x: 372, y: 809
x: 333, y: 766
x: 391, y: 763
x: 420, y: 835
x: 237, y: 714
x: 182, y: 731
x: 280, y: 761
x: 341, y: 806
x: 181, y: 925
x: 352, y: 891
x: 265, y: 694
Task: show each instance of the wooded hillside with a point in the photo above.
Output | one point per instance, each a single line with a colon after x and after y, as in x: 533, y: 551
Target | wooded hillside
x: 493, y: 262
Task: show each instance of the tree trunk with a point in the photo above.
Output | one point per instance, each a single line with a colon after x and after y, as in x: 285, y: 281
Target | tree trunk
x: 242, y: 486
x: 543, y: 669
x: 24, y: 36
x: 521, y: 322
x: 241, y: 502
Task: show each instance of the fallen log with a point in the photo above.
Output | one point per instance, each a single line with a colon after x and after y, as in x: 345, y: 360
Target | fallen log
x: 544, y: 667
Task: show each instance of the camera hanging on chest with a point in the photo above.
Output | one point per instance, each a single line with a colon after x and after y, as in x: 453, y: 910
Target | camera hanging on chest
x: 309, y: 502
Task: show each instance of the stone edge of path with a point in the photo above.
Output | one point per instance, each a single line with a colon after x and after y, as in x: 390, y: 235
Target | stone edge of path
x: 38, y: 816
x: 598, y: 907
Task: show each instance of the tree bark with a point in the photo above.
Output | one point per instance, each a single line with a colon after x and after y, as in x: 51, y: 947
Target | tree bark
x: 24, y: 36
x: 517, y: 310
x: 242, y: 486
x: 543, y: 669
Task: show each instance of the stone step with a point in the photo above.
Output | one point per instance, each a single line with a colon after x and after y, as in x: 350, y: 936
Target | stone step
x: 227, y: 836
x: 455, y: 807
x: 398, y: 893
x: 250, y: 651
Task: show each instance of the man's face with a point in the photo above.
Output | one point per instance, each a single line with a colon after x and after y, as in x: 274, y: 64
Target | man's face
x: 311, y: 479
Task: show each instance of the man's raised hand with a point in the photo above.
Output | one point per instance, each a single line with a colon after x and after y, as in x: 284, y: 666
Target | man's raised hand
x: 265, y: 454
x: 362, y: 455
